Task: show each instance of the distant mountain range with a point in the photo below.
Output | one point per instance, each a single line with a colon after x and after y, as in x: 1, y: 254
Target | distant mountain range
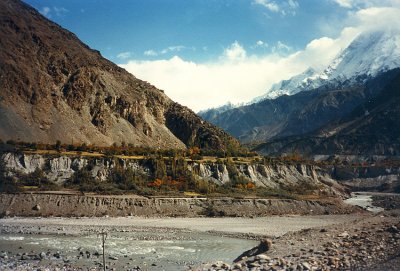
x: 368, y: 55
x: 54, y: 87
x: 370, y: 128
x: 309, y: 103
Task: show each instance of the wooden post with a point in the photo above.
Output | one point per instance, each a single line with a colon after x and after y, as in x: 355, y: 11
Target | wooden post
x: 103, y: 241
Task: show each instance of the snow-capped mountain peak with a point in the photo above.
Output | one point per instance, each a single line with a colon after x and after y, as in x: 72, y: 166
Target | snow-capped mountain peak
x: 286, y: 87
x: 369, y: 54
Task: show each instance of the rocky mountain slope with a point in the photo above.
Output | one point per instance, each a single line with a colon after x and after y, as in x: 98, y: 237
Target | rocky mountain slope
x: 355, y: 77
x: 54, y: 87
x: 371, y: 128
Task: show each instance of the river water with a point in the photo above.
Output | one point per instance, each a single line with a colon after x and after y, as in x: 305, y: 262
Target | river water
x: 151, y: 250
x: 364, y: 200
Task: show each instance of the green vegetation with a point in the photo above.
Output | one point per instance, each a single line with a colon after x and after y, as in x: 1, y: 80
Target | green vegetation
x: 161, y: 172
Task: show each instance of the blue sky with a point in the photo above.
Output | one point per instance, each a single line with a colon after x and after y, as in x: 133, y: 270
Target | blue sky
x: 204, y: 53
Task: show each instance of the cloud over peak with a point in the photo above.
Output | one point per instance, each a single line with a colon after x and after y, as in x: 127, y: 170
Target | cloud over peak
x: 238, y: 76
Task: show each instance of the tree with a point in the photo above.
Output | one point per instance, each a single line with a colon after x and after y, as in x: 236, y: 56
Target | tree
x: 58, y: 145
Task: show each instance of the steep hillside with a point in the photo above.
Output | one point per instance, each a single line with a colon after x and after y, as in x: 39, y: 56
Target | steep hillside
x: 291, y: 115
x: 372, y: 128
x: 54, y: 87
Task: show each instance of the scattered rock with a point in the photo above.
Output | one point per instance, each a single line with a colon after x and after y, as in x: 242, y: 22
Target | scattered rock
x: 42, y: 255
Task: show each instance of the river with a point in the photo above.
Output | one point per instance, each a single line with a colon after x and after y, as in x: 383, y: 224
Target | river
x: 151, y: 250
x: 364, y: 200
x: 151, y: 243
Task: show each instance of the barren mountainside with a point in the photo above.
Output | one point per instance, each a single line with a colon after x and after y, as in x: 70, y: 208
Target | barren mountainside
x: 54, y: 87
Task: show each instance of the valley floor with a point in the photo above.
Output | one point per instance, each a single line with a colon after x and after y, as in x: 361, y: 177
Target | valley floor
x: 358, y: 241
x: 28, y: 243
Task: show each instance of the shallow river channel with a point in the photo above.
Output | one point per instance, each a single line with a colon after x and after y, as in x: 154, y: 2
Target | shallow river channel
x: 150, y: 250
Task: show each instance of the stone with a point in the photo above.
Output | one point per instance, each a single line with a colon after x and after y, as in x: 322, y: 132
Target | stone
x: 225, y: 266
x: 393, y: 229
x: 113, y: 258
x: 263, y: 257
x: 36, y: 207
x: 42, y: 255
x: 306, y: 265
x: 57, y: 255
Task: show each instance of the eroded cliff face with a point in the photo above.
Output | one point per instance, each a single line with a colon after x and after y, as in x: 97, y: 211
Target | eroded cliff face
x: 277, y: 176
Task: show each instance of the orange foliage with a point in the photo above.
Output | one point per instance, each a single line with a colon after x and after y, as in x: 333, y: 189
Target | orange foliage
x: 250, y: 185
x: 194, y: 150
x: 156, y: 183
x: 167, y: 183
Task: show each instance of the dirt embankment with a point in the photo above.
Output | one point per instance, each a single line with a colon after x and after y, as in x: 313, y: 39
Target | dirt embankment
x: 85, y: 205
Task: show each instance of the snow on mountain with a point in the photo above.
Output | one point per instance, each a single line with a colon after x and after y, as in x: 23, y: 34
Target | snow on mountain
x: 286, y: 86
x: 368, y: 55
x: 220, y: 109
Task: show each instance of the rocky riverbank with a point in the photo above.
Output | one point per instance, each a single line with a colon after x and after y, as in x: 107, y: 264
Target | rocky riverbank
x: 387, y: 202
x: 51, y: 204
x: 369, y: 243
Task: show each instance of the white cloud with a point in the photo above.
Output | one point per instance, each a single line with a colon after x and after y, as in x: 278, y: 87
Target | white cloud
x: 45, y: 11
x: 281, y: 48
x: 49, y: 11
x: 293, y: 4
x: 361, y: 4
x: 238, y: 76
x: 150, y: 53
x: 60, y: 11
x: 124, y: 55
x: 270, y: 5
x: 260, y: 44
x: 344, y: 3
x: 235, y: 52
x: 175, y: 48
x: 284, y: 7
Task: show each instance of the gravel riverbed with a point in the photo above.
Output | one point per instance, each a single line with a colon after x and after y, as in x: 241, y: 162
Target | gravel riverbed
x: 367, y: 243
